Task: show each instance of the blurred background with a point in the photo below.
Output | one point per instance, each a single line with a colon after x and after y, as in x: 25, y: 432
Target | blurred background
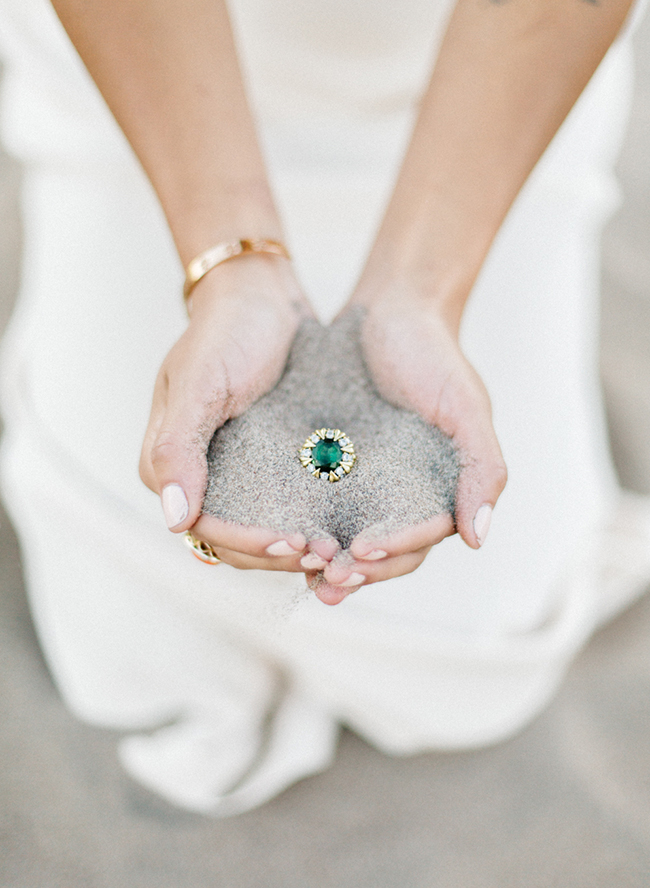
x: 566, y: 803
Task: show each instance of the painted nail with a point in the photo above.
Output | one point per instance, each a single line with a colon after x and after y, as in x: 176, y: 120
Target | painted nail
x: 281, y: 547
x: 312, y: 561
x: 482, y: 522
x: 375, y: 555
x: 174, y: 504
x: 355, y: 579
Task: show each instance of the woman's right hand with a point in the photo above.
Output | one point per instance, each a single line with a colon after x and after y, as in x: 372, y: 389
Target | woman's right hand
x: 243, y: 319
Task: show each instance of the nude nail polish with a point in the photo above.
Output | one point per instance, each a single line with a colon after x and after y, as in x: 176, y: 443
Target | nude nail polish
x: 281, y: 547
x: 174, y: 504
x: 312, y: 561
x: 482, y: 522
x: 355, y: 579
x: 375, y: 555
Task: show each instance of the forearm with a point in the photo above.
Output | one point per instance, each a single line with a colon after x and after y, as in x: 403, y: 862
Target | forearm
x: 170, y: 75
x: 506, y: 76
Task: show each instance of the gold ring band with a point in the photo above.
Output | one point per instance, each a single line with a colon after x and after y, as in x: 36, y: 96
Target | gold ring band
x: 203, y: 551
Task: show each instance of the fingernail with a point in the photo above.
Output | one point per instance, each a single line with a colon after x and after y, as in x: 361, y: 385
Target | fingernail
x: 312, y: 561
x: 174, y: 504
x: 375, y: 555
x: 482, y: 522
x: 281, y: 547
x: 355, y: 579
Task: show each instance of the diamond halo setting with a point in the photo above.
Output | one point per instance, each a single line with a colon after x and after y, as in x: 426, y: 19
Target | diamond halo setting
x: 328, y: 454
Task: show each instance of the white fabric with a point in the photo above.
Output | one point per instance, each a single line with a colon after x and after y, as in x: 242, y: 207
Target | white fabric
x: 245, y: 674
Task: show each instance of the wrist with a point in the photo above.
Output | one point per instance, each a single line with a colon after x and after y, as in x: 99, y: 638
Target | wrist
x: 267, y: 279
x: 232, y: 212
x: 431, y: 245
x: 226, y: 251
x: 421, y: 289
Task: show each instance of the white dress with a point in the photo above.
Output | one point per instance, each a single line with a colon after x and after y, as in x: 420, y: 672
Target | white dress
x: 231, y: 684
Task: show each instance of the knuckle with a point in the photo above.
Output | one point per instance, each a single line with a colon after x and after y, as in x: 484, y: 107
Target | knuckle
x: 500, y: 475
x: 163, y: 450
x: 146, y: 475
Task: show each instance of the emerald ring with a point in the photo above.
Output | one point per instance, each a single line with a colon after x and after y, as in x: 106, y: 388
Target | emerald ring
x: 328, y: 454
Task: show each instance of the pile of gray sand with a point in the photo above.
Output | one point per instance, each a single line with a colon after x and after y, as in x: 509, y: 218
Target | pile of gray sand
x: 405, y: 472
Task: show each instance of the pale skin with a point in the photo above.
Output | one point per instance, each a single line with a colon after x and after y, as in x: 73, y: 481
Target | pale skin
x: 506, y: 76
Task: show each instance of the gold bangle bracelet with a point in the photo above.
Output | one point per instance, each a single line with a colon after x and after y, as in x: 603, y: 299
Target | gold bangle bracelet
x: 209, y: 259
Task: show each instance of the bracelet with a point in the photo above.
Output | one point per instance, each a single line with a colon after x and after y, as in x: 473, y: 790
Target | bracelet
x: 209, y: 259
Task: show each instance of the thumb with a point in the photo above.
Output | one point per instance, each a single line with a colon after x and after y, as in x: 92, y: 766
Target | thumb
x: 174, y: 462
x: 482, y: 479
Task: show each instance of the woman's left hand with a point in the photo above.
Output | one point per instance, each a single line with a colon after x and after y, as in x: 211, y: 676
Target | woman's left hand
x: 412, y: 351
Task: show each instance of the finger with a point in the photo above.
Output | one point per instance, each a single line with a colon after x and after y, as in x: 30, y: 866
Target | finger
x: 483, y: 471
x: 250, y: 562
x: 159, y: 401
x: 327, y: 593
x: 369, y: 546
x: 178, y: 452
x: 320, y: 553
x: 361, y: 574
x: 480, y: 483
x: 258, y: 542
x: 378, y: 571
x: 332, y: 585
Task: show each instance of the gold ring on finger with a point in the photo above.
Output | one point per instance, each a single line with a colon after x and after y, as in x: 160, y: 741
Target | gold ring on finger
x: 201, y: 550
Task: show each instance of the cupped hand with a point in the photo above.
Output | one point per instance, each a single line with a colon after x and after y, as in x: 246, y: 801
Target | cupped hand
x: 243, y: 318
x: 411, y: 349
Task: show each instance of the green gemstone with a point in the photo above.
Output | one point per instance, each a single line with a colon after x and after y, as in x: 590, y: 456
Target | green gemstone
x: 327, y: 455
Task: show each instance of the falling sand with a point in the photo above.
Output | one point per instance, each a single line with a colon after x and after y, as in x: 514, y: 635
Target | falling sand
x: 405, y: 473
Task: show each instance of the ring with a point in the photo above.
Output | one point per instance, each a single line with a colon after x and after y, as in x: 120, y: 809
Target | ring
x: 328, y: 454
x: 203, y: 551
